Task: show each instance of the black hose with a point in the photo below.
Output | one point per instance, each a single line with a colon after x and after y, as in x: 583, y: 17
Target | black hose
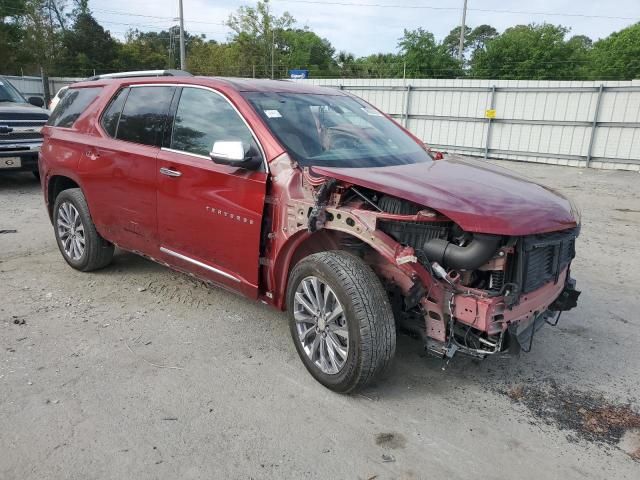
x: 478, y: 252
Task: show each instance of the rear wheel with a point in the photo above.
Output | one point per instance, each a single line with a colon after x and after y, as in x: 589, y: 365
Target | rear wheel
x: 80, y: 244
x: 340, y: 320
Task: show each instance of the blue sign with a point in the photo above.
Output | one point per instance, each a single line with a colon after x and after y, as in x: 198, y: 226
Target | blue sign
x: 298, y: 74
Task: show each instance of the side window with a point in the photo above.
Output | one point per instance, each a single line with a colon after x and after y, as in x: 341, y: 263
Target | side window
x: 204, y: 117
x: 144, y: 113
x: 111, y: 116
x: 75, y: 101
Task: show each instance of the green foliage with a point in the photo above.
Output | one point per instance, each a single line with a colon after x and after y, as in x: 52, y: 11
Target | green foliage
x: 302, y: 48
x: 88, y: 46
x: 425, y: 57
x: 63, y: 38
x: 535, y: 52
x: 617, y: 57
x: 475, y: 40
x: 11, y: 32
x: 256, y: 31
x: 211, y: 58
x: 379, y: 65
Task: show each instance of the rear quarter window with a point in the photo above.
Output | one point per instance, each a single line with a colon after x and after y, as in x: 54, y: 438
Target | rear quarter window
x: 71, y: 106
x: 111, y: 115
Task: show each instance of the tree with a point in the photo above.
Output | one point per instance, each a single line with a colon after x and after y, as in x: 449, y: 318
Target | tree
x: 11, y: 33
x: 87, y: 46
x: 452, y: 40
x: 480, y: 36
x: 425, y: 57
x: 474, y: 39
x: 380, y: 65
x: 616, y: 57
x: 153, y: 50
x: 345, y: 63
x: 212, y: 58
x: 302, y: 48
x: 43, y: 23
x: 256, y: 31
x: 533, y: 52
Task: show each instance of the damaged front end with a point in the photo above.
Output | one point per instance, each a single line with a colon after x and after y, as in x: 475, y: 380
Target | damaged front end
x: 493, y: 292
x: 459, y: 291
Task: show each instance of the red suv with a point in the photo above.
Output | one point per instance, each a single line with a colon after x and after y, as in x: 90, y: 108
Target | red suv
x: 313, y: 201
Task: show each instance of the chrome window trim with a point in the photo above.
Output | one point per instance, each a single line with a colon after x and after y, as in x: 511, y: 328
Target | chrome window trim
x: 181, y: 152
x: 200, y: 264
x: 183, y: 85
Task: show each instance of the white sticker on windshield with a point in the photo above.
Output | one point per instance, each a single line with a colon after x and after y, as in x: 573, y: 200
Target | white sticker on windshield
x: 371, y: 111
x: 272, y: 113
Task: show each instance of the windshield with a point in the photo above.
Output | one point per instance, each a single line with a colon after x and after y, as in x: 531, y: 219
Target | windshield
x: 335, y: 131
x: 8, y: 93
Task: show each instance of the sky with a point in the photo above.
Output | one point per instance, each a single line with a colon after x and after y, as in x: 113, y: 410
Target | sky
x: 365, y: 27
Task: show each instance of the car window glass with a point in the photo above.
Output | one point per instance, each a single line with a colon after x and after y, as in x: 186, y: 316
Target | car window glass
x: 8, y: 93
x: 112, y: 113
x: 142, y: 119
x: 72, y: 105
x: 335, y: 130
x: 204, y: 117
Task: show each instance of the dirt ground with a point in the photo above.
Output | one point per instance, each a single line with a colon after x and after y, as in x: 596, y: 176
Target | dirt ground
x: 140, y: 372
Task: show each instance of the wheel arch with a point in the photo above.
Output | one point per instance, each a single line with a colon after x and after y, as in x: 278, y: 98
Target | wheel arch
x: 302, y: 244
x: 55, y: 185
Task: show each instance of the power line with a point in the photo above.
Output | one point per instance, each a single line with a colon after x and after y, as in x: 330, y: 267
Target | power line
x: 121, y: 12
x: 431, y: 7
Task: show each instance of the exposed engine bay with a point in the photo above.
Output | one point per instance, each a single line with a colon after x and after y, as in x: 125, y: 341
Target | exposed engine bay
x: 498, y: 266
x: 459, y: 291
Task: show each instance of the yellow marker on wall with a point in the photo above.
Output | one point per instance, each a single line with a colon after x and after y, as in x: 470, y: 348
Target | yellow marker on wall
x: 490, y: 113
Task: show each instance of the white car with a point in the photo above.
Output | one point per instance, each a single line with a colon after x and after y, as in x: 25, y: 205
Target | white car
x: 56, y: 99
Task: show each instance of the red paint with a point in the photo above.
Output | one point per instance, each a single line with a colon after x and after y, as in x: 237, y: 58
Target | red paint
x: 216, y: 214
x: 478, y: 196
x: 213, y: 214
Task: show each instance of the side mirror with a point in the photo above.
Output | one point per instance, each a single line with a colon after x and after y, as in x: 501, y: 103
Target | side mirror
x: 36, y: 101
x: 235, y: 153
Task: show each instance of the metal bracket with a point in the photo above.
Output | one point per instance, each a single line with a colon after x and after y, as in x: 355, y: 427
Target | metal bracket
x: 556, y: 320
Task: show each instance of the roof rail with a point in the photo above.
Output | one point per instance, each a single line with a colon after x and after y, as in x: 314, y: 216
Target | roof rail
x: 143, y: 73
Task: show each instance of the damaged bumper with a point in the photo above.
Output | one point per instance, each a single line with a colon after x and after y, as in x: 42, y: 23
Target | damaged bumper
x: 482, y: 326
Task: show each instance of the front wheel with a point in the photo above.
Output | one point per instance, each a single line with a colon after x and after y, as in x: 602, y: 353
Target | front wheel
x: 340, y: 320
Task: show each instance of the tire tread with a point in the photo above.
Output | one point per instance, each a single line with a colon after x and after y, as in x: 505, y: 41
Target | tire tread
x: 371, y: 306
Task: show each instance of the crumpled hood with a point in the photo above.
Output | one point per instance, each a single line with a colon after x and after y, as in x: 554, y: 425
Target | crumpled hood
x: 477, y: 195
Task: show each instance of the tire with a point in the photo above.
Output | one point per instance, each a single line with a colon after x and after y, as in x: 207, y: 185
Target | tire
x: 371, y: 343
x: 96, y: 252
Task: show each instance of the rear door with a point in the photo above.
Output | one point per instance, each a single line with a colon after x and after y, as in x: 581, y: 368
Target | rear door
x: 119, y: 170
x: 209, y: 215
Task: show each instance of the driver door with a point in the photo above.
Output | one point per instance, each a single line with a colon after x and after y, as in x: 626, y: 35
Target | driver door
x: 209, y: 215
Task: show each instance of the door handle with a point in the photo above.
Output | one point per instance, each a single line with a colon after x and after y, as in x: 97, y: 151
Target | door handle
x: 92, y: 154
x: 170, y: 173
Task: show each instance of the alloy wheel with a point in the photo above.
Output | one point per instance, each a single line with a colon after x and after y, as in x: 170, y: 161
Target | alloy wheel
x: 321, y: 325
x: 70, y: 231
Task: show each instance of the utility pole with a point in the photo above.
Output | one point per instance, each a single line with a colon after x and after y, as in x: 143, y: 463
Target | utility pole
x: 462, y: 28
x: 273, y: 47
x: 183, y: 57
